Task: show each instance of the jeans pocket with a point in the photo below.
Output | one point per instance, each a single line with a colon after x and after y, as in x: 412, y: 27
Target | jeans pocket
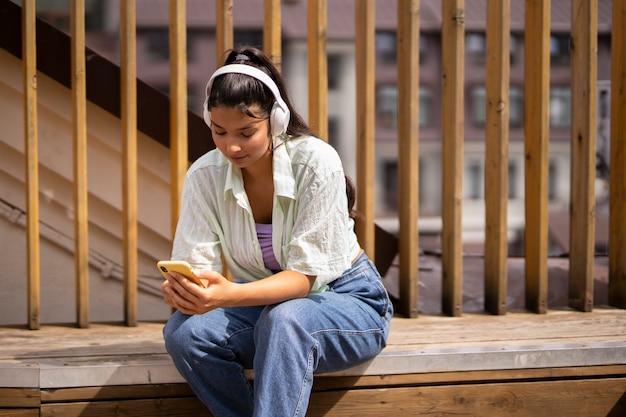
x: 363, y: 281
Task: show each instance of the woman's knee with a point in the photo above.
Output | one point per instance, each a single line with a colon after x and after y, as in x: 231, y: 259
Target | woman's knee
x: 172, y: 331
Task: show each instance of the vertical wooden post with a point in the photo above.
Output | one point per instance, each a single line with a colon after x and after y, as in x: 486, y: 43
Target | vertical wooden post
x: 128, y: 112
x: 583, y: 140
x: 224, y: 32
x: 497, y: 154
x: 365, y: 127
x: 31, y: 144
x: 318, y: 68
x: 453, y: 68
x: 617, y: 220
x: 536, y: 139
x: 408, y: 152
x: 79, y: 140
x: 178, y: 106
x: 271, y: 32
x: 224, y: 38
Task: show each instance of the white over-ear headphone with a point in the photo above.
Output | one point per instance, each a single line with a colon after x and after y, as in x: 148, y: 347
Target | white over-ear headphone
x: 279, y: 115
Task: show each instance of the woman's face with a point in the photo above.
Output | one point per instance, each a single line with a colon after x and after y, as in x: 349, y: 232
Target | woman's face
x: 243, y: 140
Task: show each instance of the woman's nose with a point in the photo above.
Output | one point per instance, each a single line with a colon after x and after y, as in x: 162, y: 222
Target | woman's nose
x: 233, y: 145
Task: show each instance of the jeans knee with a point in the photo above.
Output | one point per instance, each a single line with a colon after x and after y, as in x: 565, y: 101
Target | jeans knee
x: 175, y: 334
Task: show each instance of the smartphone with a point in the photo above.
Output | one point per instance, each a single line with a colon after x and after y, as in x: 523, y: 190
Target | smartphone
x: 182, y: 267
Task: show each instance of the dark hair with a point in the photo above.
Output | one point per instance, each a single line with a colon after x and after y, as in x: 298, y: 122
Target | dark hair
x: 242, y: 92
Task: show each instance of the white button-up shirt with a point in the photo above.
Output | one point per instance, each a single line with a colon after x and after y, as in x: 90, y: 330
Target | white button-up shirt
x: 312, y: 231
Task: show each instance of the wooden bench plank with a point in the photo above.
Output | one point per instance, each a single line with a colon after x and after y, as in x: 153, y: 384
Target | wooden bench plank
x: 20, y: 412
x: 172, y: 407
x: 523, y: 399
x: 110, y: 355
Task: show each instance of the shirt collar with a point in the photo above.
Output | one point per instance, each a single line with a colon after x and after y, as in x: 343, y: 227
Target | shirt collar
x: 234, y: 184
x: 284, y: 181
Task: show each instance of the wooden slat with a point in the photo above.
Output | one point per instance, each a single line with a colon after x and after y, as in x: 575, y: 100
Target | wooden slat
x: 224, y: 30
x: 318, y: 67
x: 408, y: 152
x: 271, y: 32
x: 19, y: 412
x: 224, y: 40
x: 365, y: 130
x: 178, y: 106
x: 536, y: 139
x: 31, y: 144
x: 171, y: 407
x: 117, y: 392
x: 583, y: 153
x: 523, y: 399
x: 129, y: 156
x: 617, y: 221
x: 497, y: 154
x: 19, y: 397
x: 438, y: 378
x: 452, y: 120
x: 79, y: 140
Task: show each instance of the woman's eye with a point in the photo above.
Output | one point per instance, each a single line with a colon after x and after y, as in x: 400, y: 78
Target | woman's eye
x: 247, y: 134
x: 217, y: 133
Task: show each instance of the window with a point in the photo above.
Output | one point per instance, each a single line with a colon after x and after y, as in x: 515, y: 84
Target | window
x: 333, y: 131
x: 387, y: 106
x: 334, y: 71
x: 157, y: 41
x: 386, y: 47
x: 478, y: 97
x: 512, y: 181
x: 552, y: 180
x: 516, y: 107
x: 248, y: 38
x: 390, y: 169
x: 559, y: 50
x: 478, y: 106
x: 476, y: 46
x: 473, y: 188
x: 425, y: 104
x: 560, y: 107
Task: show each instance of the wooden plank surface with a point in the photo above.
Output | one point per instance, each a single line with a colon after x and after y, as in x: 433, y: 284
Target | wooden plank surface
x: 118, y: 355
x: 536, y: 149
x: 408, y: 153
x: 617, y: 227
x: 19, y: 412
x: 79, y: 143
x: 497, y: 154
x: 452, y: 136
x: 583, y: 154
x: 365, y: 127
x: 173, y: 407
x: 523, y: 399
x: 31, y: 149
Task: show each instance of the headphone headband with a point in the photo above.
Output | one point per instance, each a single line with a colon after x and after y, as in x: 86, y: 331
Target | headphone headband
x: 280, y: 111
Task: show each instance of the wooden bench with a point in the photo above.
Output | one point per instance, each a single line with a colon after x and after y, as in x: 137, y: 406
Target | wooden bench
x: 561, y: 363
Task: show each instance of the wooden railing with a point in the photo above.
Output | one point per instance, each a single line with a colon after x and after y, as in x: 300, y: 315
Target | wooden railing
x: 537, y: 65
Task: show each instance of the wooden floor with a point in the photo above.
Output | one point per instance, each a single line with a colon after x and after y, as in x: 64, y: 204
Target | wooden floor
x: 431, y: 361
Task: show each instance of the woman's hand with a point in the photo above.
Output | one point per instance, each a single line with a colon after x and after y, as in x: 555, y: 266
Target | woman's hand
x: 189, y: 298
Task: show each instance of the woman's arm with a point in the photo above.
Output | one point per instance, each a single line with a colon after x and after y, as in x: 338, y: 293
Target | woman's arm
x: 190, y: 298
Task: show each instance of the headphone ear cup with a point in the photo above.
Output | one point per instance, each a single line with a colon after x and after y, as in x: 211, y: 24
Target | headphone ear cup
x: 206, y: 114
x: 279, y: 120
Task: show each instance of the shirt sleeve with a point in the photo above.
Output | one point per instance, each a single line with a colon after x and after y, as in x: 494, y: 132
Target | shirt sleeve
x: 322, y: 238
x: 196, y: 240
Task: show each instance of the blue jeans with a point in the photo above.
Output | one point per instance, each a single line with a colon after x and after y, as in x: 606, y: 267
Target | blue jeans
x: 284, y: 343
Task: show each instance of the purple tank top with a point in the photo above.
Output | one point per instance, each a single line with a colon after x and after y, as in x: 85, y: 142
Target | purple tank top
x: 264, y: 234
